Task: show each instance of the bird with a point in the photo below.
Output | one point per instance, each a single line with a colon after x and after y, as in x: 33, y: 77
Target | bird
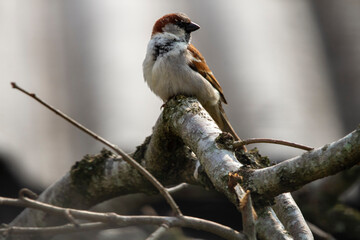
x: 173, y: 66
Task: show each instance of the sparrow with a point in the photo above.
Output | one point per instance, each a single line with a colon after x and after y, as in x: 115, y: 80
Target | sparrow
x: 173, y: 66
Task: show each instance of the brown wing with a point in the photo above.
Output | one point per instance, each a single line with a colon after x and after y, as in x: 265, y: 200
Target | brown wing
x: 199, y: 65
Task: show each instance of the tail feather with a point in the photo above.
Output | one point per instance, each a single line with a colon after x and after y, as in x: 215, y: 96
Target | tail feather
x: 218, y: 114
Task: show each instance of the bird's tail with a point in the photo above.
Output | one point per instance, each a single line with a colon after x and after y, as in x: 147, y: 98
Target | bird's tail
x: 218, y: 114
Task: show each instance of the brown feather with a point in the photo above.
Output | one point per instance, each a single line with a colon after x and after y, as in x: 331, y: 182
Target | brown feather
x: 169, y: 18
x: 199, y: 65
x: 216, y: 111
x: 218, y: 114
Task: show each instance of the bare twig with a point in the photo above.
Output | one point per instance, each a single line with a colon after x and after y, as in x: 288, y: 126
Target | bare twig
x: 125, y: 156
x: 70, y: 217
x: 319, y: 233
x: 63, y: 229
x: 200, y: 135
x: 27, y: 192
x: 247, y: 212
x: 158, y: 232
x: 177, y: 188
x: 110, y: 220
x: 239, y: 144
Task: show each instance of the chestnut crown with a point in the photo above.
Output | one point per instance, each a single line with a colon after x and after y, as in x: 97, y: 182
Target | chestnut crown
x: 175, y: 23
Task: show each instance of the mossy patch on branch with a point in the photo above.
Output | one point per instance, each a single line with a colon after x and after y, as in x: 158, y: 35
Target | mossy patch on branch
x: 140, y: 151
x: 252, y: 158
x: 225, y: 141
x: 90, y: 167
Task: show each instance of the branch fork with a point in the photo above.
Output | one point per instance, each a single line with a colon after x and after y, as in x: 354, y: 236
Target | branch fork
x: 186, y: 119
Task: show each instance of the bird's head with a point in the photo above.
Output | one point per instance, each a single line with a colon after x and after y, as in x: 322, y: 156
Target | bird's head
x: 175, y: 23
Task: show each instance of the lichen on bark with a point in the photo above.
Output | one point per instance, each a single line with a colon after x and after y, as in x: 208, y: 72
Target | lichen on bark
x: 88, y: 170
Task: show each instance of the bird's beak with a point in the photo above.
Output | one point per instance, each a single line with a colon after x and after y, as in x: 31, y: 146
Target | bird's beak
x: 191, y: 27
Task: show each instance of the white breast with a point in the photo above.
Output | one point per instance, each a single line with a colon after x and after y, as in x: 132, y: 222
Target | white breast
x: 169, y: 74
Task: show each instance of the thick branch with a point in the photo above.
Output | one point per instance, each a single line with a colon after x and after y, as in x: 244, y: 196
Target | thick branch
x: 292, y: 174
x: 269, y: 227
x: 185, y: 123
x: 116, y: 149
x: 187, y: 119
x: 290, y: 215
x: 98, y: 178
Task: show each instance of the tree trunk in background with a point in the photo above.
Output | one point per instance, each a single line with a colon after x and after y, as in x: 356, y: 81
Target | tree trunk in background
x: 269, y: 58
x: 340, y: 25
x: 32, y: 54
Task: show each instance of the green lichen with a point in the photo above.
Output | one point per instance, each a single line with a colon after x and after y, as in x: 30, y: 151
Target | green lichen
x: 170, y: 106
x: 88, y: 170
x: 347, y: 147
x: 252, y: 158
x: 225, y: 141
x: 140, y: 150
x: 325, y: 147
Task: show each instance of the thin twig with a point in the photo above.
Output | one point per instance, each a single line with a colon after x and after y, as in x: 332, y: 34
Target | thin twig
x: 110, y: 220
x: 319, y: 233
x: 25, y: 192
x: 126, y: 157
x: 63, y: 229
x: 177, y: 188
x: 239, y: 144
x: 158, y: 232
x: 70, y: 217
x: 247, y: 212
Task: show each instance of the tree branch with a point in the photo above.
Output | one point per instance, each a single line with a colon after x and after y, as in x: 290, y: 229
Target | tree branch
x: 109, y: 177
x: 247, y: 213
x: 125, y: 156
x: 241, y: 143
x: 102, y: 177
x: 290, y: 215
x: 185, y: 123
x: 269, y: 227
x: 46, y: 231
x: 115, y: 220
x: 158, y: 232
x: 186, y: 118
x: 292, y: 174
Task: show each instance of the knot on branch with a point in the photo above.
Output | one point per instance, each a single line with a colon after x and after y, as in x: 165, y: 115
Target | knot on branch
x: 251, y: 161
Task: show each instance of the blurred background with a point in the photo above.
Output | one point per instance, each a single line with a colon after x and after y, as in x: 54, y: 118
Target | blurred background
x: 289, y: 70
